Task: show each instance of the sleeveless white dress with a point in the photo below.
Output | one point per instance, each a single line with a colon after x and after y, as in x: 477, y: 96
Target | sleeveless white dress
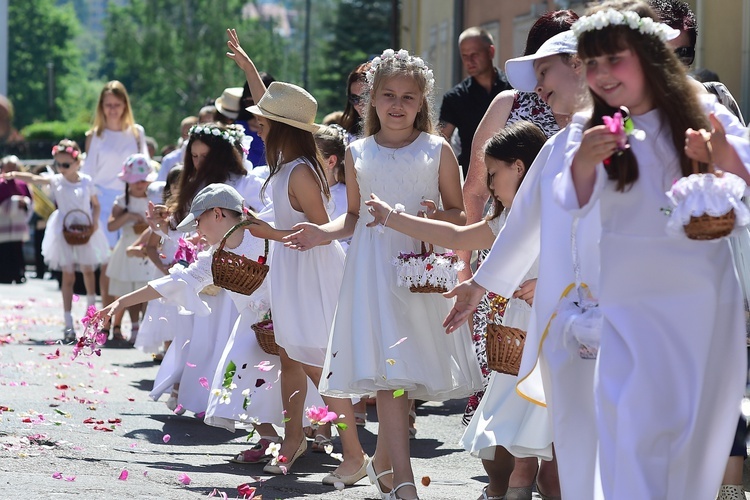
x: 304, y: 285
x: 374, y: 314
x: 503, y: 417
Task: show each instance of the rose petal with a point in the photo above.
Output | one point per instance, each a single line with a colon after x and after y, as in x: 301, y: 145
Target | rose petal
x: 184, y: 478
x: 123, y: 475
x: 166, y: 438
x: 204, y: 382
x: 397, y: 343
x: 57, y: 475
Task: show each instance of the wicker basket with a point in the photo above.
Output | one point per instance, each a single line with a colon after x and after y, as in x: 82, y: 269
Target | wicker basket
x: 235, y: 272
x: 708, y: 227
x: 139, y: 227
x: 77, y: 234
x: 504, y: 348
x: 427, y: 251
x: 265, y: 337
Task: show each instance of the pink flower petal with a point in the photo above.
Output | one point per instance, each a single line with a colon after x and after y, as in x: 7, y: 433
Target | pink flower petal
x: 190, y: 365
x: 204, y: 382
x: 264, y: 366
x: 123, y: 475
x: 69, y: 478
x: 166, y: 438
x: 57, y: 475
x: 184, y: 478
x: 178, y: 409
x: 397, y: 343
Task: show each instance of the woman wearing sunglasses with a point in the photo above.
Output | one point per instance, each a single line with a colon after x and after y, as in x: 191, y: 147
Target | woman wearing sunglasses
x: 77, y: 209
x: 356, y: 100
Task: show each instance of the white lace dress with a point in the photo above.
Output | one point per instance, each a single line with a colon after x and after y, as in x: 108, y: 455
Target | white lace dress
x: 385, y: 337
x: 503, y: 417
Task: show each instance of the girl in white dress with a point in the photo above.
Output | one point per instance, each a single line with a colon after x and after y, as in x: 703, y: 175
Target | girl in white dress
x: 304, y: 287
x: 668, y: 379
x: 386, y: 340
x: 113, y: 137
x: 504, y: 425
x: 551, y: 374
x: 74, y: 193
x: 128, y: 273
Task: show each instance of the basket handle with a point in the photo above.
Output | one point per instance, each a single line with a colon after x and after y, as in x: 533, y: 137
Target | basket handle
x: 425, y: 247
x: 235, y: 228
x: 65, y: 219
x: 710, y: 165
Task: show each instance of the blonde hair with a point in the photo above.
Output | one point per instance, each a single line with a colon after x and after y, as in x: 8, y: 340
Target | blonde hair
x: 127, y: 121
x: 391, y: 67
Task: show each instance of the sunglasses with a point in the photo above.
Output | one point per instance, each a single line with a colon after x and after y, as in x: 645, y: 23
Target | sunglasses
x: 685, y: 54
x: 63, y: 165
x: 356, y: 100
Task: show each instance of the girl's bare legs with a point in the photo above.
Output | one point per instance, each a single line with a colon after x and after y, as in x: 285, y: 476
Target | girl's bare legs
x: 499, y: 471
x: 89, y: 280
x: 265, y: 430
x: 351, y: 448
x: 66, y: 286
x: 524, y: 472
x: 107, y: 299
x: 392, y: 448
x: 293, y: 393
x: 548, y: 481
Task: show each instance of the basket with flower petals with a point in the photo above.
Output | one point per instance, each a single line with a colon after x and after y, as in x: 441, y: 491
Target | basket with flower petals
x: 265, y: 336
x: 427, y: 271
x: 77, y: 233
x: 236, y: 272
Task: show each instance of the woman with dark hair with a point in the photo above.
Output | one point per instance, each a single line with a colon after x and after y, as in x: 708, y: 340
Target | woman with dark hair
x: 15, y: 207
x: 356, y: 101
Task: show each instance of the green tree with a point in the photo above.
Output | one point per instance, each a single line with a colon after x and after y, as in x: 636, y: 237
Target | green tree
x: 170, y: 56
x: 41, y: 34
x: 361, y: 30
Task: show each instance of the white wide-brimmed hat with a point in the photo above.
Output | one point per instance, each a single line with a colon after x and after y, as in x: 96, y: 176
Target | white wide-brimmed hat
x: 290, y: 104
x: 520, y: 70
x: 229, y: 102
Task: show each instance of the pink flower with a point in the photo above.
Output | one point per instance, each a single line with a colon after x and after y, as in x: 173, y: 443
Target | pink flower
x: 123, y: 475
x: 318, y: 415
x: 616, y: 125
x: 184, y: 478
x: 246, y: 491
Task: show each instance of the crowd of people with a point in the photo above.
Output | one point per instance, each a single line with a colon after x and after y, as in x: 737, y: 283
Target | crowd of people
x: 627, y: 338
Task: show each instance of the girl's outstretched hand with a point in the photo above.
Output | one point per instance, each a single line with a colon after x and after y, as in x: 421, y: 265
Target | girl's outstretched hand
x: 157, y: 216
x: 526, y: 291
x: 236, y: 52
x: 105, y: 313
x: 468, y: 294
x: 378, y: 209
x: 430, y: 209
x: 306, y: 236
x: 597, y: 144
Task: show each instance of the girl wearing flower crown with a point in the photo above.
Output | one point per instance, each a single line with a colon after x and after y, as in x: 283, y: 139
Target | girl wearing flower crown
x: 74, y: 194
x: 304, y: 287
x: 668, y: 380
x: 384, y: 339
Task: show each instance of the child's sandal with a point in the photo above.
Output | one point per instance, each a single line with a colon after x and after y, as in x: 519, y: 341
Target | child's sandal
x: 117, y: 341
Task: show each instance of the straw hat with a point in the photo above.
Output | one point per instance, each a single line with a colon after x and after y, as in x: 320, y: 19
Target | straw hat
x: 229, y: 102
x: 290, y: 104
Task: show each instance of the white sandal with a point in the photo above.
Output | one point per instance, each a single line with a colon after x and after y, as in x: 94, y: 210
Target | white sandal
x: 375, y: 478
x: 394, y: 495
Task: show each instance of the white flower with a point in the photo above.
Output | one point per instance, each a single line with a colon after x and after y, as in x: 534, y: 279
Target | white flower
x: 232, y: 386
x: 273, y: 449
x: 216, y: 132
x: 402, y: 54
x: 388, y: 53
x: 226, y: 397
x: 246, y: 392
x: 242, y: 417
x: 611, y: 17
x: 216, y: 392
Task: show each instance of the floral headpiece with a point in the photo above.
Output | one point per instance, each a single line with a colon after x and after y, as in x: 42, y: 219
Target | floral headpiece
x: 233, y: 134
x: 68, y: 149
x: 632, y: 20
x: 404, y: 60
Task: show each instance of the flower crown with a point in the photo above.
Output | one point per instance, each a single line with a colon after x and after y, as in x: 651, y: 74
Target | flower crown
x: 233, y: 134
x: 403, y: 60
x: 68, y: 149
x: 337, y: 131
x: 632, y: 20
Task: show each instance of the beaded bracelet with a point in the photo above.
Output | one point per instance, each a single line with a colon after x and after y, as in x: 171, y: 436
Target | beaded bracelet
x: 399, y: 208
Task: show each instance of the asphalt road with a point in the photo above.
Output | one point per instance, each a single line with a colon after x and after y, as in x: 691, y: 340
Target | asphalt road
x: 69, y: 428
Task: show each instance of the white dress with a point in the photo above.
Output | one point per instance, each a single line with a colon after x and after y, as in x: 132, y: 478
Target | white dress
x: 337, y: 206
x: 503, y: 417
x: 550, y: 374
x: 161, y: 320
x: 304, y: 285
x: 71, y: 196
x: 128, y: 274
x: 374, y: 314
x: 672, y: 362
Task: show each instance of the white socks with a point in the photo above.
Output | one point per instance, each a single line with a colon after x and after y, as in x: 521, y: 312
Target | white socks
x: 90, y: 300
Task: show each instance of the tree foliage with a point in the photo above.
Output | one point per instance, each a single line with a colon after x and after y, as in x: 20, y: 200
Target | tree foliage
x: 40, y: 33
x: 361, y: 30
x: 170, y: 54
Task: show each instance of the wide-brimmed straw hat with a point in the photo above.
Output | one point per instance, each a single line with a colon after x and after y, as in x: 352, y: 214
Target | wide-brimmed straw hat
x: 290, y: 104
x: 229, y: 102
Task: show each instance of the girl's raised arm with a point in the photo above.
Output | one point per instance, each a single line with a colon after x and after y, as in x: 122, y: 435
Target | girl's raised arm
x: 239, y: 56
x: 26, y: 177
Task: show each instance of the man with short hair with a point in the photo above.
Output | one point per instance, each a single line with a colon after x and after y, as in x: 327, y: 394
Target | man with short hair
x: 465, y: 104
